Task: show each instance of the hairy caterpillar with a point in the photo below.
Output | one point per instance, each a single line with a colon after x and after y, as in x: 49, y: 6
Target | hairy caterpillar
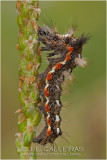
x: 67, y: 51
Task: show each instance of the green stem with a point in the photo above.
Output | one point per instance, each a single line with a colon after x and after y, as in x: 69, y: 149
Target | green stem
x: 28, y: 46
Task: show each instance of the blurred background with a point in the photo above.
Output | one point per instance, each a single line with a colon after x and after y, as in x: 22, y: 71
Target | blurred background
x: 83, y: 114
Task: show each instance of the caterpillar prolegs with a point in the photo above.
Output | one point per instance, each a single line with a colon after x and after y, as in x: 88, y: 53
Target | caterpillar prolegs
x: 65, y: 56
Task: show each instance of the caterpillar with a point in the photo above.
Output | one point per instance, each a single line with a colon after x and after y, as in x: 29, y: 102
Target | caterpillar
x: 65, y: 56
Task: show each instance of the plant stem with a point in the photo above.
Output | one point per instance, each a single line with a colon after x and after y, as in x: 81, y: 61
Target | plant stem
x: 30, y: 60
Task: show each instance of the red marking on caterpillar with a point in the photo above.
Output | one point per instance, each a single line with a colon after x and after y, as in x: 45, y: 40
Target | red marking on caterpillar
x: 48, y: 120
x: 58, y: 65
x: 49, y: 76
x: 68, y: 57
x: 49, y: 131
x: 47, y: 107
x: 69, y: 50
x: 46, y: 92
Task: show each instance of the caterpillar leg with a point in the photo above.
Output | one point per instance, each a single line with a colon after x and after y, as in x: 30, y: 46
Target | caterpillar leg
x: 44, y: 49
x: 42, y: 138
x: 52, y: 54
x: 42, y: 109
x: 47, y: 48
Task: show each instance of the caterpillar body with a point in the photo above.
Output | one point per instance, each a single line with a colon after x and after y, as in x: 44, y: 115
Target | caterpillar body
x: 65, y: 57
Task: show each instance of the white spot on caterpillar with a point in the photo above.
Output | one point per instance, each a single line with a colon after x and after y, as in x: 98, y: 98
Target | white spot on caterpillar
x: 81, y: 62
x: 57, y: 118
x: 66, y: 35
x: 47, y: 101
x: 63, y: 62
x: 57, y: 101
x: 57, y: 87
x: 52, y: 71
x: 48, y: 115
x: 47, y: 85
x: 58, y: 131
